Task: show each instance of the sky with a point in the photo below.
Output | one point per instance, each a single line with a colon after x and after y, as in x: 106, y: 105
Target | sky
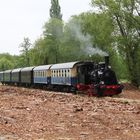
x: 25, y: 18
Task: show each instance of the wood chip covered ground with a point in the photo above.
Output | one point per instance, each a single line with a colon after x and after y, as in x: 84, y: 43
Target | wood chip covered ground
x: 33, y: 114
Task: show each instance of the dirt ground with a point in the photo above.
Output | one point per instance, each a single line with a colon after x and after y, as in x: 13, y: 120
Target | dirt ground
x: 32, y: 114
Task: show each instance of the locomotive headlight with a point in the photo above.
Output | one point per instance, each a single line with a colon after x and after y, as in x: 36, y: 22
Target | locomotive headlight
x: 102, y: 82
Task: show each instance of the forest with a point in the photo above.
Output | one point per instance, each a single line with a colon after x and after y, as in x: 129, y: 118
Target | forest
x: 111, y: 28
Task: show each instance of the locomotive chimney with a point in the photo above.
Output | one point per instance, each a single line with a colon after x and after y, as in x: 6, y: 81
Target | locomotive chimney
x: 106, y: 61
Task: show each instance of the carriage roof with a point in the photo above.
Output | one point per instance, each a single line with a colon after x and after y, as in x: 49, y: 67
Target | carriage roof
x: 64, y: 65
x: 27, y: 69
x: 16, y: 70
x: 43, y: 67
x: 7, y: 71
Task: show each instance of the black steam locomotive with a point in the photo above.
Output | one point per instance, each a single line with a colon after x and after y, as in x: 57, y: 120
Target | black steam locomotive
x: 91, y: 78
x: 99, y: 79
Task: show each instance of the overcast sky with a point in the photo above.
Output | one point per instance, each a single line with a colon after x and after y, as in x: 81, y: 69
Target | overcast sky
x: 25, y: 18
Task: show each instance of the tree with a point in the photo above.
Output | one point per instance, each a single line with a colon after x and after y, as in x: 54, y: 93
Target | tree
x: 55, y: 10
x: 125, y: 16
x: 25, y: 51
x: 53, y: 31
x: 39, y: 53
x: 7, y: 61
x: 99, y: 27
x: 5, y: 64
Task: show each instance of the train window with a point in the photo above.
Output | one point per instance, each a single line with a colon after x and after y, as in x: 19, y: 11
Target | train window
x: 61, y: 73
x: 54, y: 73
x: 69, y: 73
x: 65, y: 73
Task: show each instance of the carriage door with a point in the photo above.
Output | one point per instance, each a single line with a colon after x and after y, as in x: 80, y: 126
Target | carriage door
x: 82, y: 74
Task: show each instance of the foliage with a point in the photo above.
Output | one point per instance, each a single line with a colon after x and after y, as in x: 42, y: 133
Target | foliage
x: 125, y: 18
x: 8, y: 61
x: 25, y: 51
x: 55, y: 10
x: 100, y: 28
x: 53, y: 32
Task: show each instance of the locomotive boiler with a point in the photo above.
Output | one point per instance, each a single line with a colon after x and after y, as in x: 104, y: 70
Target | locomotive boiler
x: 98, y: 79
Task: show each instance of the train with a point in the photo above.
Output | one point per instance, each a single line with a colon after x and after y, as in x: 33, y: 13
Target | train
x: 93, y: 79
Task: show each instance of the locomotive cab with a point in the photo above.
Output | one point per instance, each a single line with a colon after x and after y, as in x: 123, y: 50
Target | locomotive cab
x: 83, y: 71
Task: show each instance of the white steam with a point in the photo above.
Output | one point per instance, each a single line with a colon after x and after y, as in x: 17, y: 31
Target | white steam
x: 85, y: 40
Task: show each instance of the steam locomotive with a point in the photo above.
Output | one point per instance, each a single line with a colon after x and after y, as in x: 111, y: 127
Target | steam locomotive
x: 88, y: 77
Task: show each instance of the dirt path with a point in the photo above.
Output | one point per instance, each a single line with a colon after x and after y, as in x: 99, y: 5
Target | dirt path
x: 28, y: 114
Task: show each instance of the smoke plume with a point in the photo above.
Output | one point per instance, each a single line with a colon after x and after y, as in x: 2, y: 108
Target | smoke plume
x: 85, y: 40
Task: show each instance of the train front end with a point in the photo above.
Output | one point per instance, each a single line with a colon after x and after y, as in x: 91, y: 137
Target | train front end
x: 108, y: 84
x: 99, y: 79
